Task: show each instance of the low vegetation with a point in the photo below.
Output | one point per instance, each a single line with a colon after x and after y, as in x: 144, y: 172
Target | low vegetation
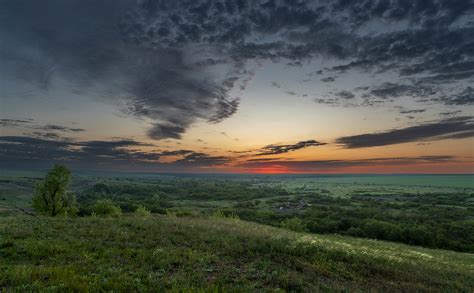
x: 148, y: 233
x: 211, y: 253
x: 429, y: 216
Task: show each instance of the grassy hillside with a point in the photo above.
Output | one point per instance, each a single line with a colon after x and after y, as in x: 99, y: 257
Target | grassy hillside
x: 166, y: 252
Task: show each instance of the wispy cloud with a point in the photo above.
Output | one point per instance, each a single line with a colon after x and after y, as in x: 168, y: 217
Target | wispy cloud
x: 60, y: 128
x: 14, y: 122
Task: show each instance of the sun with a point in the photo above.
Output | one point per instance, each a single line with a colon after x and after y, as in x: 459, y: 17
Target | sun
x: 273, y: 169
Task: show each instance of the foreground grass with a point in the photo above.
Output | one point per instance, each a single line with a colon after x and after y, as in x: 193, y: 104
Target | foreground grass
x: 163, y: 252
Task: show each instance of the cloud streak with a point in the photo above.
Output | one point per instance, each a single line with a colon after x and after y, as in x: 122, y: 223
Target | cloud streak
x: 14, y: 122
x: 60, y: 128
x: 454, y: 128
x: 341, y: 165
x: 42, y: 151
x: 285, y: 148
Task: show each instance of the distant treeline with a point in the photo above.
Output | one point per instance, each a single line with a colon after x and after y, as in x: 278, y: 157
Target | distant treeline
x: 415, y: 223
x: 433, y: 220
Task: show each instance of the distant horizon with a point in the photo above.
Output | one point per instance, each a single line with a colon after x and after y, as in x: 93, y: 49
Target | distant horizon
x: 226, y: 173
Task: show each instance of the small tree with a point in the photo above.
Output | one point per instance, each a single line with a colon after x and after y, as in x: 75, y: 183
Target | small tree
x: 51, y: 197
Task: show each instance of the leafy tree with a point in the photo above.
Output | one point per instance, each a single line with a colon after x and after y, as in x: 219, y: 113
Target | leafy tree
x: 51, y: 197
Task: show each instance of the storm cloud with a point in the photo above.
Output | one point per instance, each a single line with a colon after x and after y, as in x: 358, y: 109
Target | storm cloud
x: 174, y: 63
x: 83, y: 45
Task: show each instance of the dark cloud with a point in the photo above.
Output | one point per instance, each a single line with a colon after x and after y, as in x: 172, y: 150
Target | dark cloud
x: 450, y: 113
x: 346, y: 95
x: 394, y: 90
x: 175, y: 153
x: 285, y: 148
x: 465, y: 97
x: 46, y: 135
x: 275, y: 84
x: 461, y: 135
x: 225, y: 109
x: 317, y: 72
x: 328, y: 79
x: 44, y: 131
x: 414, y: 111
x: 14, y: 122
x: 261, y: 160
x: 60, y: 128
x: 39, y: 152
x: 327, y: 101
x: 159, y: 131
x: 449, y: 128
x: 201, y: 160
x: 241, y: 152
x: 98, y: 49
x: 173, y: 63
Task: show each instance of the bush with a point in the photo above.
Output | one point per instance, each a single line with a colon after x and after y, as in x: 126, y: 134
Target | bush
x: 51, y: 197
x: 107, y: 207
x: 142, y: 212
x: 222, y: 214
x: 293, y: 224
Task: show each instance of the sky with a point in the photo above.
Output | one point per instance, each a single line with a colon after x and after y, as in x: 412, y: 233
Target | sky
x: 238, y: 86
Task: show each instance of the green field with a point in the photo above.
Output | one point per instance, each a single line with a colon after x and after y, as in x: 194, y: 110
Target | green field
x: 466, y: 181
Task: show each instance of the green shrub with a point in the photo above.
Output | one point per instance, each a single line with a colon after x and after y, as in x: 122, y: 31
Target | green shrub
x: 222, y: 214
x: 107, y: 208
x: 293, y: 224
x: 171, y: 213
x: 142, y: 212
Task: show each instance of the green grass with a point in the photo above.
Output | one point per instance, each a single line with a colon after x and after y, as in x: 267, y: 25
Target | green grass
x: 173, y: 253
x: 15, y: 194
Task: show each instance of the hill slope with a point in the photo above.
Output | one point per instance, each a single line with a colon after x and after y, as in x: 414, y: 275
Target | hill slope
x: 164, y: 252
